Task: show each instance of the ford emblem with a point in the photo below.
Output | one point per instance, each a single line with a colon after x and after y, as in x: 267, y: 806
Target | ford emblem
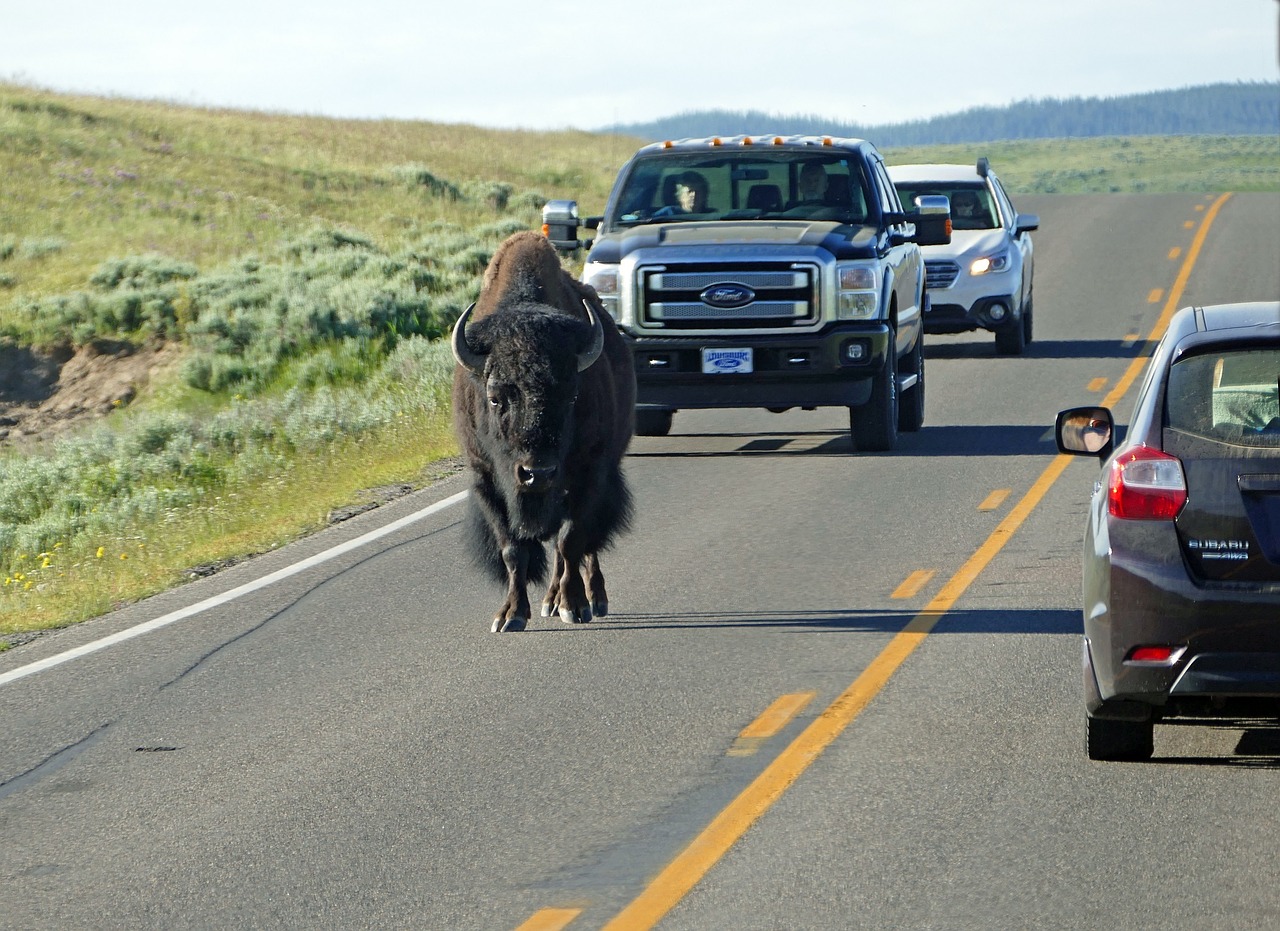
x: 728, y: 296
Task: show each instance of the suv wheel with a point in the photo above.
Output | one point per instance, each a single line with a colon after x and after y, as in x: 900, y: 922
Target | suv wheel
x: 1026, y: 321
x: 911, y: 401
x: 874, y: 426
x: 650, y: 422
x: 1107, y: 739
x: 1011, y: 339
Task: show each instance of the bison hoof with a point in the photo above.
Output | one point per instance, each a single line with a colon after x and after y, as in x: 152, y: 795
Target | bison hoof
x: 600, y: 608
x: 510, y: 625
x: 581, y: 616
x: 548, y: 608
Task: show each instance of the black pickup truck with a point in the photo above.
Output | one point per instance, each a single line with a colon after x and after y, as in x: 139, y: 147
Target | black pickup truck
x: 765, y: 271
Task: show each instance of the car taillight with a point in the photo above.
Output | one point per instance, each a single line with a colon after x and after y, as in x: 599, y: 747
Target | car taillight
x: 1155, y: 655
x: 1146, y: 484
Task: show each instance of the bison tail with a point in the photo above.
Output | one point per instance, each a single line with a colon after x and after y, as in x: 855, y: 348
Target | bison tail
x: 488, y: 555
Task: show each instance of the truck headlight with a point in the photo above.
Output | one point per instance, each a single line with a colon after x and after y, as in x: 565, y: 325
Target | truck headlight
x: 856, y: 305
x: 607, y: 282
x: 989, y: 263
x: 857, y: 295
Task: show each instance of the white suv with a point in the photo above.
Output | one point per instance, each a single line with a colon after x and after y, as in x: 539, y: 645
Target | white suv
x: 983, y: 279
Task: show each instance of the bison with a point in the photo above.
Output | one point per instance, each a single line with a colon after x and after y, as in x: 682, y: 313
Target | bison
x: 544, y: 407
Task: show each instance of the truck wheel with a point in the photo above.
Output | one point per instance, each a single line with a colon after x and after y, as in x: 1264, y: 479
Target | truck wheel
x: 651, y: 422
x: 911, y: 401
x: 874, y: 426
x: 1011, y: 340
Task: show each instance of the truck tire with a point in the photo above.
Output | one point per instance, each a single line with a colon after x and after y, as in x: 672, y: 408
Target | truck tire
x: 911, y: 401
x: 873, y: 426
x: 651, y: 422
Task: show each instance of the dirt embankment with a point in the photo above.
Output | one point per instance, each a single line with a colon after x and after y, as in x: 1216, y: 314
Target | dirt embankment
x: 44, y: 393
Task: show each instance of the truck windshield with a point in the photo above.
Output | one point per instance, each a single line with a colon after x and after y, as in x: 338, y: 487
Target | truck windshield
x: 741, y: 186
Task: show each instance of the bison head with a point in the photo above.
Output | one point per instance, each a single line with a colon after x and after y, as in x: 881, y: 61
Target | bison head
x: 523, y: 363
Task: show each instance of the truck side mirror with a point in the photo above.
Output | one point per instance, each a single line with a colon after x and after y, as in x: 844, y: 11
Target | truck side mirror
x: 560, y: 224
x: 932, y: 218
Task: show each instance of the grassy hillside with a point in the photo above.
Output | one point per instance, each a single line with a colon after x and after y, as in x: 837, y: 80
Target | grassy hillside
x: 301, y: 270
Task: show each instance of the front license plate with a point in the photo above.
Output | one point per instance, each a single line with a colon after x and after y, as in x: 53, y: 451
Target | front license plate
x: 726, y: 361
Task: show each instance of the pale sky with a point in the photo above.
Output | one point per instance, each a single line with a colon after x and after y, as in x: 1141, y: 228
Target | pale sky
x: 557, y: 64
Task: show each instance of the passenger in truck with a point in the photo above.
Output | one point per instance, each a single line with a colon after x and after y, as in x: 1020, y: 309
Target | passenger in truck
x: 812, y: 186
x: 690, y: 195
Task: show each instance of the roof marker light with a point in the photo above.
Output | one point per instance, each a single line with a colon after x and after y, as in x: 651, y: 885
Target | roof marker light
x: 715, y: 140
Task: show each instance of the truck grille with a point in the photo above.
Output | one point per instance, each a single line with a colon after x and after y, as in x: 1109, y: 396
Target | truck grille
x: 940, y: 274
x: 757, y: 295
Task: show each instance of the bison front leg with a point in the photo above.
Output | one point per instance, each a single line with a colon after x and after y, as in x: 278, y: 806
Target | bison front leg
x: 514, y: 613
x: 567, y: 594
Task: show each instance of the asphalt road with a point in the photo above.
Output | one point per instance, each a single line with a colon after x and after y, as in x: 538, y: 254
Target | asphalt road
x: 837, y: 690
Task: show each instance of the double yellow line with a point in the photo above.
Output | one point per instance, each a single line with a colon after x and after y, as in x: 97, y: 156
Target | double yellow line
x: 692, y: 864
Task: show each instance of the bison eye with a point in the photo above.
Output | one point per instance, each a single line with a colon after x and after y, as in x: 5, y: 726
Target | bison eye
x: 494, y: 400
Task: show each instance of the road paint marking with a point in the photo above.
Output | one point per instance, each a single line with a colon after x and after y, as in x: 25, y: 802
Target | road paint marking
x: 1188, y: 224
x: 913, y: 583
x: 1097, y: 384
x: 217, y: 600
x: 1155, y: 295
x: 1128, y: 341
x: 995, y: 499
x: 1200, y: 207
x: 688, y: 867
x: 1174, y: 253
x: 772, y: 720
x: 550, y: 919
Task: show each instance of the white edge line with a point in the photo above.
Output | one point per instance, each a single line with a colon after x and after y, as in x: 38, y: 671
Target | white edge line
x: 182, y: 613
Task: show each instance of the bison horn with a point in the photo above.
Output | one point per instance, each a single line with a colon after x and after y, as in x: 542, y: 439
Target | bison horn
x: 467, y: 357
x: 592, y: 352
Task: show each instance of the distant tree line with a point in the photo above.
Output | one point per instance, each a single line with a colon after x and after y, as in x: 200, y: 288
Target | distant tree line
x: 1239, y: 109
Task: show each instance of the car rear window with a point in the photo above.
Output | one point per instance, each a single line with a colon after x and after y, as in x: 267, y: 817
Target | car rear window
x: 1232, y: 397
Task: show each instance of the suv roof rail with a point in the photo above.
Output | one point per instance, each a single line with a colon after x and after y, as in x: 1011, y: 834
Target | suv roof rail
x: 984, y: 166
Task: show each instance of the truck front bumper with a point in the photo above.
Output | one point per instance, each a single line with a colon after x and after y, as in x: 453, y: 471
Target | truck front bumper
x: 833, y: 368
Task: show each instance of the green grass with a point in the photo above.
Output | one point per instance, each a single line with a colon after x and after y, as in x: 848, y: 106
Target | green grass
x: 305, y: 269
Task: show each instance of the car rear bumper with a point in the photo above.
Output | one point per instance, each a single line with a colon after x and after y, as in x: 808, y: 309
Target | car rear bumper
x: 1229, y: 637
x: 802, y: 370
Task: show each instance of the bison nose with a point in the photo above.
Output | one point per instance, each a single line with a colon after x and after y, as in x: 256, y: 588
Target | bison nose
x: 535, y: 477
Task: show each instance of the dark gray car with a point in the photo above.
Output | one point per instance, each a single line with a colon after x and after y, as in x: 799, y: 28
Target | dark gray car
x: 1182, y: 545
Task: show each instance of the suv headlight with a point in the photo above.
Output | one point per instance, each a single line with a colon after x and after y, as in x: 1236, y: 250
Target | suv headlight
x: 857, y: 292
x: 607, y: 282
x: 996, y: 262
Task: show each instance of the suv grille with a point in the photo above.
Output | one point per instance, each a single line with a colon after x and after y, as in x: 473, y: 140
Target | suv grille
x: 940, y: 274
x: 755, y: 295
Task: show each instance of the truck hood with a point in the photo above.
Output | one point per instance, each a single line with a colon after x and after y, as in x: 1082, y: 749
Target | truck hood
x: 967, y: 245
x: 839, y: 239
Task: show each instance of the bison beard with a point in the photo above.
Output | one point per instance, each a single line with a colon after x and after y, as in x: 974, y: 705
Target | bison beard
x: 544, y: 397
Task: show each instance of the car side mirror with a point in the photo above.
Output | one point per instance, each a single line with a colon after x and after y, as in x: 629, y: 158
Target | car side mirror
x: 1085, y: 431
x: 1026, y: 222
